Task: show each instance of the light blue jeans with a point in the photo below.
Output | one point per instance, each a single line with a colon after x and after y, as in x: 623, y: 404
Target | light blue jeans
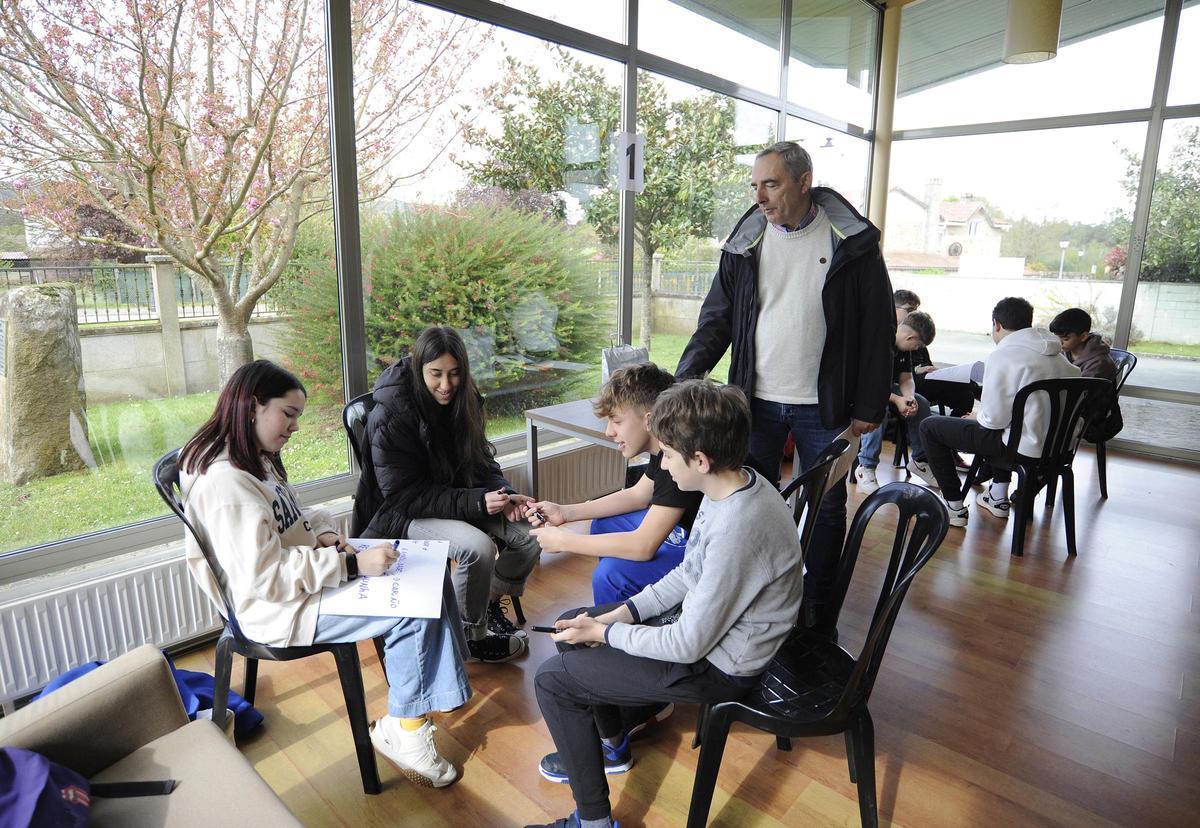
x: 872, y: 443
x: 423, y: 657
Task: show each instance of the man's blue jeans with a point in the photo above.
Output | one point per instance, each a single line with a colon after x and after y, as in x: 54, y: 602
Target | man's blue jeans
x: 872, y: 443
x: 769, y: 427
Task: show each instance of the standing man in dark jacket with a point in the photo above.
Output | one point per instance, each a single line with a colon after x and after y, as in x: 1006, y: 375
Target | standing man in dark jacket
x: 803, y: 297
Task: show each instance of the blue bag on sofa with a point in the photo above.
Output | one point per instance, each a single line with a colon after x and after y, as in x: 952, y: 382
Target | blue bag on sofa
x: 196, y: 690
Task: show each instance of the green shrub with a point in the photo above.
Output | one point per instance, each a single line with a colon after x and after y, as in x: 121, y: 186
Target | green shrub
x: 519, y: 286
x: 307, y: 296
x: 516, y: 284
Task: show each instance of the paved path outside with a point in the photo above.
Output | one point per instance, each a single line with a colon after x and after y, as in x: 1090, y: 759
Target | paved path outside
x: 1151, y: 371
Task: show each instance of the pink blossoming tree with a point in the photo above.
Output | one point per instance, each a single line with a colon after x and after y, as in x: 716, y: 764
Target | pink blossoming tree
x: 202, y: 125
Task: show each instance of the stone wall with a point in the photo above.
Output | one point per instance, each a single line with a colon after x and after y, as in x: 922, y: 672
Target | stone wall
x: 126, y: 361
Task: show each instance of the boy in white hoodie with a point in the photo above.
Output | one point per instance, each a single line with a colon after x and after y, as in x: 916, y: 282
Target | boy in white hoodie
x: 1023, y: 355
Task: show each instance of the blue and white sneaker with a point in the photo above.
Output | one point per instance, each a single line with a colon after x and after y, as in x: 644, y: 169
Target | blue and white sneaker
x: 617, y: 759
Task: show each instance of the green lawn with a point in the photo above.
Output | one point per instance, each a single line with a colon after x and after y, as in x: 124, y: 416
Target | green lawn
x: 126, y: 438
x: 1166, y: 349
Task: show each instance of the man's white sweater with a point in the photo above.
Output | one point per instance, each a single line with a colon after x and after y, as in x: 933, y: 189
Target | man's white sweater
x: 789, y: 335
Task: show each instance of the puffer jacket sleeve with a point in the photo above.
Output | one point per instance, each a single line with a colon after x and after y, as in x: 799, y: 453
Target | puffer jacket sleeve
x: 401, y: 464
x: 873, y: 374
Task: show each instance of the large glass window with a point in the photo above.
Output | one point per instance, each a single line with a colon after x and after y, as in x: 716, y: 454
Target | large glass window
x: 1166, y: 317
x: 230, y: 205
x: 971, y: 220
x: 601, y: 17
x: 700, y: 148
x: 1185, y: 72
x: 831, y: 65
x: 507, y: 230
x: 951, y: 70
x: 840, y: 161
x: 735, y: 41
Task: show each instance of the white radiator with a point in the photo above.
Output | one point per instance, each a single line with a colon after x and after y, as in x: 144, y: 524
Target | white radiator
x: 46, y: 634
x: 572, y: 475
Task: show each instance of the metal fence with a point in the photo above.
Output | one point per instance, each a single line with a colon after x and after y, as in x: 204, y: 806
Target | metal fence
x: 194, y: 302
x: 103, y: 293
x: 124, y: 292
x: 679, y: 278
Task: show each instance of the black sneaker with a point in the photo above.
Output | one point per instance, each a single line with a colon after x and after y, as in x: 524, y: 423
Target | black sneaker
x: 496, y: 648
x: 497, y: 619
x: 617, y: 759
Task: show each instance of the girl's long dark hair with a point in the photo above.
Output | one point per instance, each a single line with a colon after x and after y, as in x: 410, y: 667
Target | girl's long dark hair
x: 462, y: 451
x: 232, y: 423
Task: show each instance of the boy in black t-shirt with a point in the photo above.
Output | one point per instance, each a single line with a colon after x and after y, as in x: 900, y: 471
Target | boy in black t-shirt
x: 915, y: 331
x: 639, y: 533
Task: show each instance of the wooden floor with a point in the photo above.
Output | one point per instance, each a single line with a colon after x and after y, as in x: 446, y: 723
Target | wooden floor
x: 1015, y: 691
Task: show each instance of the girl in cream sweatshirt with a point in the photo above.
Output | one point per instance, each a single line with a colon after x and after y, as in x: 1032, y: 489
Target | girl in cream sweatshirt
x: 275, y: 559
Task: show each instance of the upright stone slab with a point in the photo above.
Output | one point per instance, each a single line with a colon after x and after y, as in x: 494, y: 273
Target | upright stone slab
x: 43, y: 408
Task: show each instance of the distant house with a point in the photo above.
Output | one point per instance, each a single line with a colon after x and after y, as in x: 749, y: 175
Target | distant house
x: 944, y: 227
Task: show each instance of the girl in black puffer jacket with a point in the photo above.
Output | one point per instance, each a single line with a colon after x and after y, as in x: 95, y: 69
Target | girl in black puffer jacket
x: 429, y: 472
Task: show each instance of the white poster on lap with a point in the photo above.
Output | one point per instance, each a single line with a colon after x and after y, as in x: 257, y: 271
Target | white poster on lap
x: 411, y: 588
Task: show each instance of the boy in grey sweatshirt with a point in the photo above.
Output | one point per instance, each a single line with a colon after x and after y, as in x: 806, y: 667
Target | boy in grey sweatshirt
x: 736, y: 596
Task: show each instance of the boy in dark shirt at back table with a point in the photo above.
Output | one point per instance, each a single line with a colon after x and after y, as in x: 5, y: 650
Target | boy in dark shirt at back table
x: 915, y: 330
x: 1091, y: 354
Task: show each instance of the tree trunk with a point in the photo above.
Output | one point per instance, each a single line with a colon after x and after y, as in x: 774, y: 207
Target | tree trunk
x: 645, y: 286
x: 234, y: 346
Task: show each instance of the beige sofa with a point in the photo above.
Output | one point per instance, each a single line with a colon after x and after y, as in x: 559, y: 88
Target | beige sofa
x: 125, y: 722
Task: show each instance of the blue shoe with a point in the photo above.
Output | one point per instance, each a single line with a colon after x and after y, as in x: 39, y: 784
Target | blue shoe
x: 571, y: 821
x: 617, y: 759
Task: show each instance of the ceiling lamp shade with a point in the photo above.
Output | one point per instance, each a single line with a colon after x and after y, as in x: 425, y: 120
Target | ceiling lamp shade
x: 1032, y: 33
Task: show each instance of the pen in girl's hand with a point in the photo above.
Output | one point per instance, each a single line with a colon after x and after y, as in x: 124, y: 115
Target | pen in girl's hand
x: 395, y: 545
x: 536, y: 628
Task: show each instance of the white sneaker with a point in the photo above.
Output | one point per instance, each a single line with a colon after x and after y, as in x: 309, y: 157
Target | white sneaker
x: 958, y: 517
x: 413, y: 753
x: 919, y: 468
x: 1000, y: 507
x: 865, y: 478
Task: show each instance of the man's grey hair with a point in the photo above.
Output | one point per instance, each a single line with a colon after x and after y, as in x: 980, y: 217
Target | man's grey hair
x: 795, y: 157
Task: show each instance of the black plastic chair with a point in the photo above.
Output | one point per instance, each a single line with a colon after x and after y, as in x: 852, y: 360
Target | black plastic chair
x: 900, y: 424
x: 813, y: 687
x: 805, y: 493
x: 166, y: 480
x: 1126, y: 361
x: 1072, y: 403
x: 354, y: 420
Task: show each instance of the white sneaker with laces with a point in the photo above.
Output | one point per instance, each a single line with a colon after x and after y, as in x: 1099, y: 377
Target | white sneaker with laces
x: 1000, y: 507
x: 865, y: 478
x: 919, y: 468
x: 413, y: 752
x: 958, y: 517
